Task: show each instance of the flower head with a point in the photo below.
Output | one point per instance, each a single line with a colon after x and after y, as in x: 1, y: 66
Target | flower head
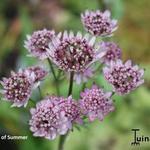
x: 18, y: 87
x: 71, y: 109
x: 113, y: 52
x: 39, y: 72
x: 73, y: 53
x: 37, y: 43
x: 123, y: 77
x: 47, y: 120
x: 95, y: 103
x: 98, y: 23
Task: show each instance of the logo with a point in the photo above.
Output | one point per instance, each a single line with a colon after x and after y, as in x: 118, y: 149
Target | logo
x: 138, y: 139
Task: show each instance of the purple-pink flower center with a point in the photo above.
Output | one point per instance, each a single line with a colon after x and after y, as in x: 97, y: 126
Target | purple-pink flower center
x: 123, y: 76
x: 74, y: 54
x: 98, y: 24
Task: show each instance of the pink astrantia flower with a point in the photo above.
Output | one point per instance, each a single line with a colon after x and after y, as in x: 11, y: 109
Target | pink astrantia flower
x: 74, y: 52
x: 113, y: 52
x: 47, y: 120
x: 98, y: 23
x: 18, y: 87
x: 70, y: 108
x: 39, y: 72
x: 123, y: 77
x: 37, y: 43
x: 95, y: 103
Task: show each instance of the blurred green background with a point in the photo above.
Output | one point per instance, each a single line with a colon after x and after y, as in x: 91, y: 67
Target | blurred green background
x: 21, y: 17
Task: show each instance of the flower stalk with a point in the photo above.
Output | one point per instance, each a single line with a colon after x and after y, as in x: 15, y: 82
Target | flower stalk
x: 64, y: 137
x: 54, y: 75
x: 40, y: 92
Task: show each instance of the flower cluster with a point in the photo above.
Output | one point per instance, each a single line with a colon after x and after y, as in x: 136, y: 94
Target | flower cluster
x: 123, y: 77
x: 18, y: 87
x: 98, y: 23
x: 47, y: 121
x: 38, y: 71
x: 71, y: 109
x: 78, y: 56
x: 73, y: 52
x: 95, y: 103
x: 56, y: 115
x: 113, y: 52
x: 37, y: 43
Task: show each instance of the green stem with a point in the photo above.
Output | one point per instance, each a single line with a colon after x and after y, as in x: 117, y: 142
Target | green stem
x: 52, y: 68
x: 71, y: 83
x: 59, y: 74
x: 62, y: 141
x: 63, y: 137
x: 99, y: 68
x: 54, y: 75
x: 40, y: 92
x: 83, y: 86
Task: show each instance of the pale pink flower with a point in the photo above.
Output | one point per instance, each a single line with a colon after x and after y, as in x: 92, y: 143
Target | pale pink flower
x: 39, y: 72
x: 98, y: 23
x: 95, y: 103
x: 69, y: 107
x: 124, y: 77
x: 18, y: 87
x: 112, y: 52
x: 37, y: 43
x: 47, y: 120
x: 75, y: 53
